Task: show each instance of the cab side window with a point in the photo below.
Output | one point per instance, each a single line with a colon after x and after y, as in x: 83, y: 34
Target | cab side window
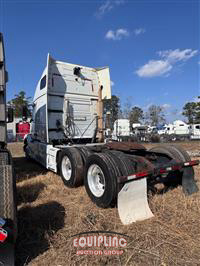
x: 43, y: 83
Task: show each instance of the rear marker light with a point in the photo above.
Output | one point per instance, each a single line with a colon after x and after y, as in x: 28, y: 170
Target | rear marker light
x: 141, y: 174
x: 196, y: 162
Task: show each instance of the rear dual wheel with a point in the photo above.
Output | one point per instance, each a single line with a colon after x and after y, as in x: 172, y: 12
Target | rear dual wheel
x: 101, y: 179
x: 102, y: 171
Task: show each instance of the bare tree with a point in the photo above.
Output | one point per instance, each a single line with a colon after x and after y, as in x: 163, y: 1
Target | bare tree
x: 155, y: 115
x: 136, y: 115
x: 127, y: 108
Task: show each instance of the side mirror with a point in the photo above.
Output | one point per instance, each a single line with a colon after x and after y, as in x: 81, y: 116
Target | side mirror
x: 10, y: 115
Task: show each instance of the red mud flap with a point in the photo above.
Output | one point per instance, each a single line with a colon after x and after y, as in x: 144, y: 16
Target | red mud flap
x: 132, y: 199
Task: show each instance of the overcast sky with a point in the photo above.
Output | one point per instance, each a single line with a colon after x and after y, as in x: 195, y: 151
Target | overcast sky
x: 151, y: 47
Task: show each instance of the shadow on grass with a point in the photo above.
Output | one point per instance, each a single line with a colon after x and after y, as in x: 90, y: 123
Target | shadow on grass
x: 27, y: 168
x: 29, y: 193
x: 35, y: 226
x: 172, y: 181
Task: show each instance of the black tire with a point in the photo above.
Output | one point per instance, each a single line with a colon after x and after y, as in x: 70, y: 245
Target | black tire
x: 25, y: 144
x: 182, y: 155
x: 173, y: 151
x: 173, y: 137
x: 25, y: 148
x: 111, y: 171
x: 175, y: 178
x: 184, y: 177
x: 28, y: 158
x: 124, y: 163
x: 126, y: 166
x: 85, y: 153
x: 188, y: 182
x: 77, y: 168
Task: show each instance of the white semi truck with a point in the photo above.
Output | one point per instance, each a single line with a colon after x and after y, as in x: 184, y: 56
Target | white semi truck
x: 121, y: 128
x: 178, y: 130
x: 194, y: 131
x: 67, y: 138
x: 8, y: 213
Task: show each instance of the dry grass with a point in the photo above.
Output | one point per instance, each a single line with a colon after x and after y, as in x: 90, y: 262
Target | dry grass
x: 48, y: 213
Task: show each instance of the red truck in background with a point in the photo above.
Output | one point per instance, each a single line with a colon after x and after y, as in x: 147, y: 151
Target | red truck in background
x: 22, y: 129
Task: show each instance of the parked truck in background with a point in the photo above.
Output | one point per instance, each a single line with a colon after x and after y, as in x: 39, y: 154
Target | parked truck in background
x: 194, y: 131
x: 121, y: 128
x: 67, y: 138
x: 178, y: 130
x: 8, y: 222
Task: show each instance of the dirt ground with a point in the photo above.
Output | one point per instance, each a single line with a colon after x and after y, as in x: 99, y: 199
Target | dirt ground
x: 49, y: 213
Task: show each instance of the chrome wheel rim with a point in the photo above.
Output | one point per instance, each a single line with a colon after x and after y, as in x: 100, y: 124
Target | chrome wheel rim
x: 96, y: 180
x: 66, y: 168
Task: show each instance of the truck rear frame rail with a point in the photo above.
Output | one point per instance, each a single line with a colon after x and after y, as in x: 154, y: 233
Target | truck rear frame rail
x: 158, y: 171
